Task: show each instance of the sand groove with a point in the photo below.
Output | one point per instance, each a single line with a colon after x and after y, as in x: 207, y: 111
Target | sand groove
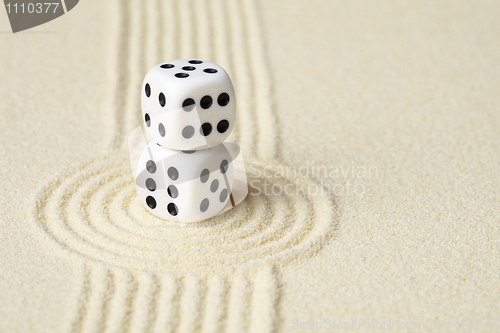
x: 149, y: 302
x: 80, y: 309
x: 92, y: 212
x: 120, y: 70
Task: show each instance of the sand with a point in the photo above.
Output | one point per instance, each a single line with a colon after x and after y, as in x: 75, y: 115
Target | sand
x: 370, y: 135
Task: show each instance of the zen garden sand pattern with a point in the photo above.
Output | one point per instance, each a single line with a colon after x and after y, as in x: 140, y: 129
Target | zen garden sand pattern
x: 370, y: 138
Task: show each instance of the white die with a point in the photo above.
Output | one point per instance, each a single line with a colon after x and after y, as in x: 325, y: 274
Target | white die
x: 188, y: 104
x: 186, y: 186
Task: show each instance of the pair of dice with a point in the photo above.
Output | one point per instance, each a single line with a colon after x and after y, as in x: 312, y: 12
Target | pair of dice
x: 186, y: 172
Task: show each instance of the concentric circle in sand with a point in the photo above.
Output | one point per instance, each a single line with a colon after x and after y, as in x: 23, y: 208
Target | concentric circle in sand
x: 93, y: 213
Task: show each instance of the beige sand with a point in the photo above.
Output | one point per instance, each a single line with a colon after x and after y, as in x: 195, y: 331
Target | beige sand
x: 379, y: 124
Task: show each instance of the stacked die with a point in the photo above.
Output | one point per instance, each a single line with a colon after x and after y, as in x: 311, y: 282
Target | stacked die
x: 186, y: 172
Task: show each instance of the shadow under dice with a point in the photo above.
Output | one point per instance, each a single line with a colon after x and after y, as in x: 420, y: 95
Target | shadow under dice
x: 186, y: 186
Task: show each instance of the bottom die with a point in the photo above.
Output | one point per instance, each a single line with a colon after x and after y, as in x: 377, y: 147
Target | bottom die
x: 186, y: 186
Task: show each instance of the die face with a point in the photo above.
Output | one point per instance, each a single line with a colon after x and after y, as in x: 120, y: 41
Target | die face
x: 185, y: 186
x: 188, y: 104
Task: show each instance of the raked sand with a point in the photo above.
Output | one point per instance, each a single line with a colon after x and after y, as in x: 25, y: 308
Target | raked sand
x: 370, y: 132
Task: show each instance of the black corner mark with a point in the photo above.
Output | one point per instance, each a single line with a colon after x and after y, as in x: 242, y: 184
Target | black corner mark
x: 26, y: 14
x: 70, y: 4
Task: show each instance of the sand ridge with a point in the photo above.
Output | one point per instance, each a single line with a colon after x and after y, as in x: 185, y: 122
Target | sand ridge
x: 93, y: 212
x: 114, y: 300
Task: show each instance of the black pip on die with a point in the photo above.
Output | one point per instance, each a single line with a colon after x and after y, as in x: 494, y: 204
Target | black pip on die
x: 186, y: 172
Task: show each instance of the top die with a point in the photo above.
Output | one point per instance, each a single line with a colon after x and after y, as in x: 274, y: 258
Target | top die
x: 188, y: 104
